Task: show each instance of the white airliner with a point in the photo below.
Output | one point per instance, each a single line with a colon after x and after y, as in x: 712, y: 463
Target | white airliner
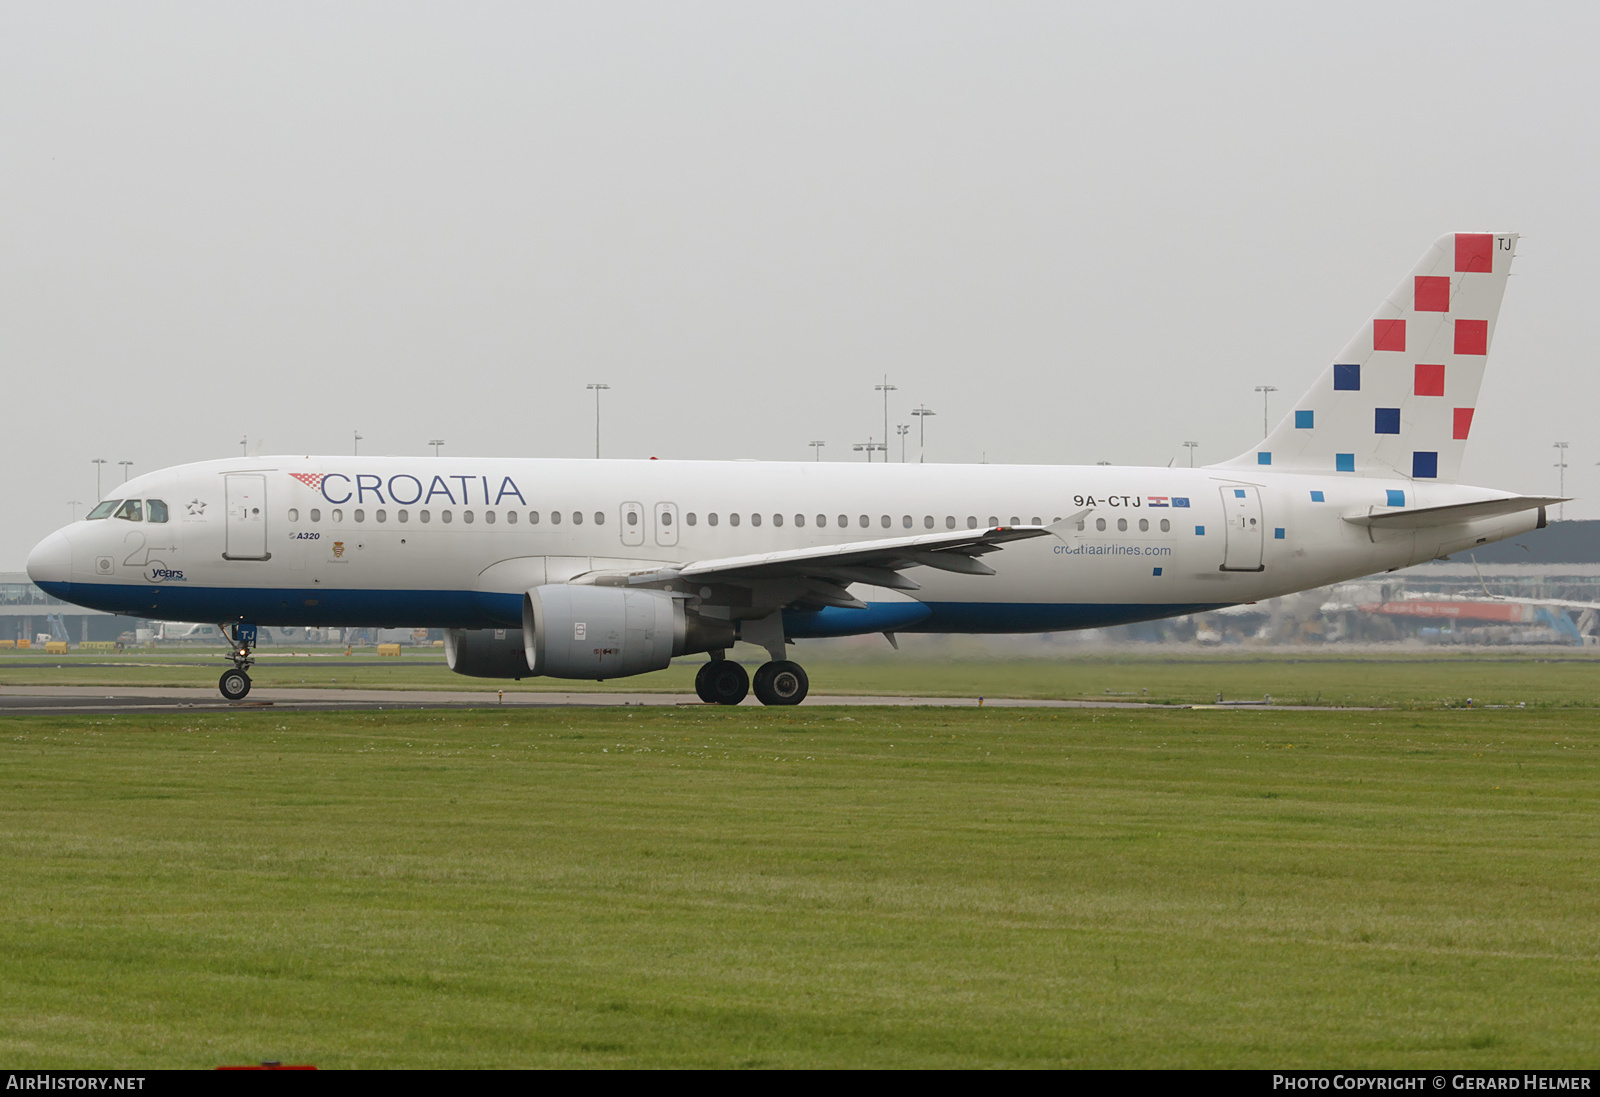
x: 602, y: 569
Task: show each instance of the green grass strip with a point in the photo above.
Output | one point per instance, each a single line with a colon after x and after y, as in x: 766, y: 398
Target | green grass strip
x: 811, y: 887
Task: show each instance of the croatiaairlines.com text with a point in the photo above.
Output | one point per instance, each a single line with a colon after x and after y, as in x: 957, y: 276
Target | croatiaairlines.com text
x: 1113, y: 550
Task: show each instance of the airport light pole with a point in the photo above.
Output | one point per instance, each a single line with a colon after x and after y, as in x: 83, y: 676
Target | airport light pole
x: 598, y: 389
x: 97, y: 462
x: 921, y: 412
x: 886, y: 388
x: 1190, y: 446
x: 436, y: 443
x: 817, y: 448
x: 1561, y: 466
x: 1265, y: 391
x: 126, y: 465
x: 356, y: 451
x: 74, y: 504
x: 902, y: 429
x: 870, y: 446
x: 244, y: 445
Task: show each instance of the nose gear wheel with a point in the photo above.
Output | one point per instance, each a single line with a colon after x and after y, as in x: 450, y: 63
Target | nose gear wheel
x: 234, y: 684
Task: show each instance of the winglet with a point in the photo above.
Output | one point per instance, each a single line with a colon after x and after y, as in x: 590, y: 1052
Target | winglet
x: 1069, y: 523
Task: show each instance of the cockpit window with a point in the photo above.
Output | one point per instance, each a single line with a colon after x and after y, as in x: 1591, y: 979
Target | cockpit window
x: 104, y: 509
x: 158, y: 510
x: 132, y: 510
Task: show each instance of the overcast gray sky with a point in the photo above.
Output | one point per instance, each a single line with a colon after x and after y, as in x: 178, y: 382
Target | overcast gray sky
x: 1077, y: 232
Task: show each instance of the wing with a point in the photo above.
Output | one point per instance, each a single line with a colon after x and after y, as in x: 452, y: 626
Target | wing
x: 821, y: 574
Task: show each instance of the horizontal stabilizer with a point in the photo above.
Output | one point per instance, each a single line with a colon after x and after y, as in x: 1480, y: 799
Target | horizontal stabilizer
x: 1453, y: 514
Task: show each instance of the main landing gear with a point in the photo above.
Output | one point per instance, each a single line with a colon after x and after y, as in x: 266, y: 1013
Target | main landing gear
x: 724, y: 682
x: 781, y: 682
x: 235, y: 683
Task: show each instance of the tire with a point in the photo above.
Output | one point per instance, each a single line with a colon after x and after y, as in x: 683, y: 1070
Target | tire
x: 234, y: 684
x: 702, y: 682
x: 724, y: 683
x: 781, y: 683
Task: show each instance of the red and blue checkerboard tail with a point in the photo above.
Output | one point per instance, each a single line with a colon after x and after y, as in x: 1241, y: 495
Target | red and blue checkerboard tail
x: 1399, y: 400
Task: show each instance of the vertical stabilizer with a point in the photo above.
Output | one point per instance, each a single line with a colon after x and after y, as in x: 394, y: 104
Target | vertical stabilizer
x: 1399, y: 400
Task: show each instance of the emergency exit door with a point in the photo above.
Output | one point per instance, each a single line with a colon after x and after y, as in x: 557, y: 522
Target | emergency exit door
x: 667, y: 524
x: 632, y: 524
x: 1245, y: 529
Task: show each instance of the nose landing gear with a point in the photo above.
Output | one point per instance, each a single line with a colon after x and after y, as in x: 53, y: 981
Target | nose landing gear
x: 235, y: 683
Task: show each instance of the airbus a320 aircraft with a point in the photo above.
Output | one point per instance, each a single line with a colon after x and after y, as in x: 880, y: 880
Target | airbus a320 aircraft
x: 602, y: 569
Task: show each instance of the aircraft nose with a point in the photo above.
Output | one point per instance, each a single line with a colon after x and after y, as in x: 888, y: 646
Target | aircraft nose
x: 51, y: 560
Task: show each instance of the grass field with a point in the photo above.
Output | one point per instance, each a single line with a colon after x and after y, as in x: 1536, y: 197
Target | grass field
x: 805, y: 887
x: 1549, y: 678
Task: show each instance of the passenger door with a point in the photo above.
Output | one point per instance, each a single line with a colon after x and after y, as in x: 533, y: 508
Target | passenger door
x: 1246, y: 530
x: 247, y: 517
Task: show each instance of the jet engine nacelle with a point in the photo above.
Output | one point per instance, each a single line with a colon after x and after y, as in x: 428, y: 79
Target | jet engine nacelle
x: 486, y: 652
x: 600, y: 632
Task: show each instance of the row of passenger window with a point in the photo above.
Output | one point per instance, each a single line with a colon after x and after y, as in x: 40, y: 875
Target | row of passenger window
x: 1122, y: 525
x: 885, y: 521
x: 359, y: 514
x: 864, y: 521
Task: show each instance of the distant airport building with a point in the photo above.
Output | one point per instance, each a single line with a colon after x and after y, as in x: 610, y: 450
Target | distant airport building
x: 1541, y: 587
x: 28, y: 613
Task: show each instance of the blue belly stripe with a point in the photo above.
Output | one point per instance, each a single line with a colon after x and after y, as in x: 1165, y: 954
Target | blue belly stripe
x: 1049, y: 616
x: 836, y: 621
x: 480, y: 609
x: 311, y: 607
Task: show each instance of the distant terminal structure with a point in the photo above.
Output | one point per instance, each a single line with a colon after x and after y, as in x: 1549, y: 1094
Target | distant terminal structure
x: 1542, y: 587
x: 1550, y: 575
x: 28, y: 613
x: 30, y: 618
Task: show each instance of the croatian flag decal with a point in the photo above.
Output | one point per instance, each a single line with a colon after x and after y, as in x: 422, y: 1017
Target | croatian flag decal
x: 1157, y: 500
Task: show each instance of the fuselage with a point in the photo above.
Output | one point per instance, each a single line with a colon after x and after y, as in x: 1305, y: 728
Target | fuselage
x: 455, y: 543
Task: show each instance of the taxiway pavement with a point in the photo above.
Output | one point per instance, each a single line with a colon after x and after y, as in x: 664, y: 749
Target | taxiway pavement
x: 60, y: 700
